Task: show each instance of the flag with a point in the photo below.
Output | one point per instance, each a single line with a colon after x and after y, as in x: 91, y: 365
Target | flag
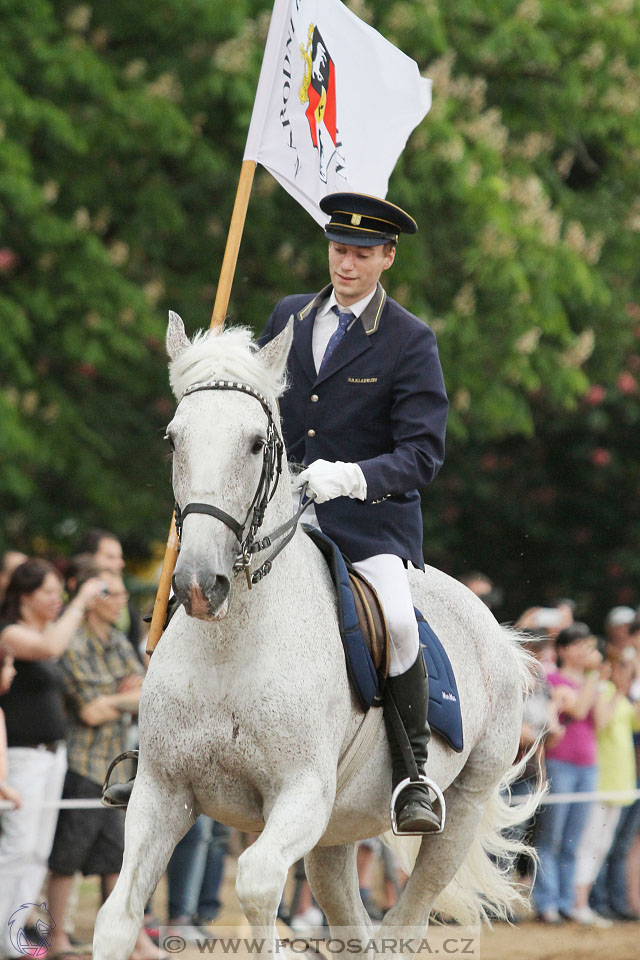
x: 335, y: 104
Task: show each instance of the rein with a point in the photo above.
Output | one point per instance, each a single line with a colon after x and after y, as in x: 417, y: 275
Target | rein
x: 267, y: 485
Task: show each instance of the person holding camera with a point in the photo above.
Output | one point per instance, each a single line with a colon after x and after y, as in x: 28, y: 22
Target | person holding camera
x: 571, y: 766
x: 35, y: 633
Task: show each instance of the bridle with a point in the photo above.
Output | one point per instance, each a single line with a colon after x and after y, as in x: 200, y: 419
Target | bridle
x: 273, y: 449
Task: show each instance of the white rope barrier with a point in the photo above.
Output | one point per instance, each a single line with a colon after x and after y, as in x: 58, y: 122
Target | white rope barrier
x: 602, y: 796
x: 53, y: 804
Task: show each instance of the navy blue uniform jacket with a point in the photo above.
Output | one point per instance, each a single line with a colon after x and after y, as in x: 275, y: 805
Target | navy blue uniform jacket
x: 381, y: 403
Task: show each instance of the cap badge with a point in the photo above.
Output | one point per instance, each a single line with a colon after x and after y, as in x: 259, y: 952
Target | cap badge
x: 355, y: 219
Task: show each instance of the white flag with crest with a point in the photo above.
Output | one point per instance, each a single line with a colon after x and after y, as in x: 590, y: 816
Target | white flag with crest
x: 335, y: 105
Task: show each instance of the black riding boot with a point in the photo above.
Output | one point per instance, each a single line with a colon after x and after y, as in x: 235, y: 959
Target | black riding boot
x: 410, y: 694
x: 118, y: 794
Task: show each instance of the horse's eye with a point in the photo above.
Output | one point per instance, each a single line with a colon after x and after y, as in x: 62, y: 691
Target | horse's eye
x: 169, y: 440
x: 258, y: 446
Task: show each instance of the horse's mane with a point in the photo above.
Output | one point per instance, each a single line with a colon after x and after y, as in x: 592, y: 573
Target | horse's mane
x: 230, y: 355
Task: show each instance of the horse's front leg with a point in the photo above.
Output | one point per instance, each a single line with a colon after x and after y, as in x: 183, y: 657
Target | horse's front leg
x: 156, y: 820
x: 296, y: 820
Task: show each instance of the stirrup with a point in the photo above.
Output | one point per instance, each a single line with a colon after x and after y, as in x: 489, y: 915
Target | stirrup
x: 438, y: 797
x: 127, y: 755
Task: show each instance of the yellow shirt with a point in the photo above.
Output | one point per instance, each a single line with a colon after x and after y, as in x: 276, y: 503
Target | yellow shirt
x: 616, y: 753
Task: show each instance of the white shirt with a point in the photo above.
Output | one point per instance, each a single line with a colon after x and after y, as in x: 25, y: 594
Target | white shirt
x: 326, y: 323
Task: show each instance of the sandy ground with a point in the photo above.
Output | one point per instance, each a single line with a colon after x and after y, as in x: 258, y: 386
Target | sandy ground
x: 526, y: 941
x: 531, y: 941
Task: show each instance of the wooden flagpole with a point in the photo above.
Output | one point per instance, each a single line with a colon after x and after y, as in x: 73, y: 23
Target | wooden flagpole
x: 227, y: 273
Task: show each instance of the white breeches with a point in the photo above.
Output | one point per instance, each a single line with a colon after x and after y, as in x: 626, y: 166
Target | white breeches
x: 27, y: 834
x: 388, y: 576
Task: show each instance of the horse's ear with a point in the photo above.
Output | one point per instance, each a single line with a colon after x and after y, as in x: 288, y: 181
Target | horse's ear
x: 177, y: 340
x: 274, y: 354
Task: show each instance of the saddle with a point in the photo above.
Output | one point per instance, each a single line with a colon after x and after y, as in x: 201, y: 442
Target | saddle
x: 365, y: 639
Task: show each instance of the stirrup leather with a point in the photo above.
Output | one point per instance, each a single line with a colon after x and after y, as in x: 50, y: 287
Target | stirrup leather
x: 438, y: 797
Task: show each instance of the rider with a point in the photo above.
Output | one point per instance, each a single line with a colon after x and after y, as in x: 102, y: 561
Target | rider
x: 365, y: 412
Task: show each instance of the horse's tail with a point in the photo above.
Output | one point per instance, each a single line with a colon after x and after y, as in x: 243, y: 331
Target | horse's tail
x: 484, y: 888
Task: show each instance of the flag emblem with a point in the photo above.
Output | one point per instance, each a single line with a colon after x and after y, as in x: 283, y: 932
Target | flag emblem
x: 318, y: 90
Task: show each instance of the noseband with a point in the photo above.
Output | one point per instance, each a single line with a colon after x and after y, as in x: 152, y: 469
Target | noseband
x: 267, y: 485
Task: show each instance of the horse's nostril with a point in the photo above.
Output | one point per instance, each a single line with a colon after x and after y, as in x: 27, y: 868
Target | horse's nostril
x: 180, y: 585
x: 217, y: 589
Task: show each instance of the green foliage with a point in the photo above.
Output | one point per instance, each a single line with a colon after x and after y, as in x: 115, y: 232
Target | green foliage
x: 121, y: 134
x: 557, y: 515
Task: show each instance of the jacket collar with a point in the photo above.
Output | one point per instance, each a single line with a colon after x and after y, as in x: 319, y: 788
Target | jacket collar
x: 309, y: 311
x: 303, y: 332
x: 370, y: 317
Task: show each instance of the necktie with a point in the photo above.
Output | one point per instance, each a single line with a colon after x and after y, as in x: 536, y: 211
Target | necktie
x: 344, y: 319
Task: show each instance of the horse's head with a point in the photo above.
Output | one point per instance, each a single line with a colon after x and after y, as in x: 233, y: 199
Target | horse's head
x: 218, y: 439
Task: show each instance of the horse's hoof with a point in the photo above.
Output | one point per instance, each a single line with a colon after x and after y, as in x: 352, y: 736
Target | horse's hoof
x: 417, y: 816
x: 117, y: 795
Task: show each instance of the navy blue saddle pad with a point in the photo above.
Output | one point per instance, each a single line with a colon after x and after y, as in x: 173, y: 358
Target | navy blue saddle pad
x: 444, y: 703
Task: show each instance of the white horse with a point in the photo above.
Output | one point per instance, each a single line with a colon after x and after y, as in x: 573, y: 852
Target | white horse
x: 246, y: 709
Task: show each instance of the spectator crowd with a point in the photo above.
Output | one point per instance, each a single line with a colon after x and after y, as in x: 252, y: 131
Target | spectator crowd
x: 581, y: 732
x: 72, y: 663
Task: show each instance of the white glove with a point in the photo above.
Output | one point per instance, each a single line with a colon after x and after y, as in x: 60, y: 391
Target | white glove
x: 328, y: 480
